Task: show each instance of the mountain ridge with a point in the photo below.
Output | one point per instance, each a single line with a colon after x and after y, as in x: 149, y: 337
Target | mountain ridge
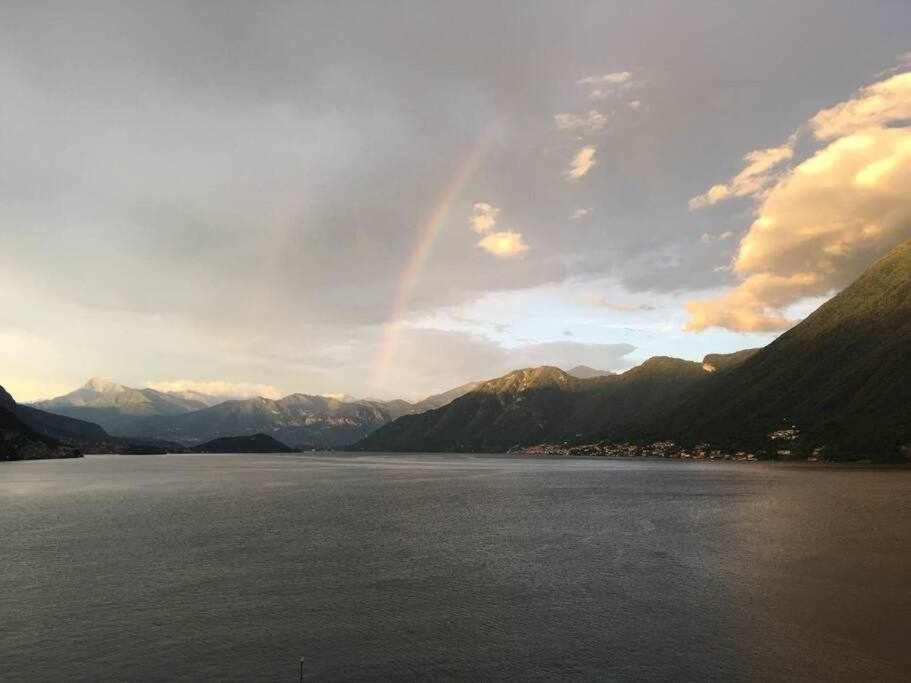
x: 836, y: 385
x: 163, y: 418
x: 534, y: 404
x: 842, y: 375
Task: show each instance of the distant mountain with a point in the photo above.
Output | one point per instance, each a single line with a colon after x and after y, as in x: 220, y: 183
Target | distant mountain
x: 19, y: 442
x: 585, y: 372
x: 158, y: 419
x: 842, y: 377
x: 539, y: 404
x: 298, y: 419
x: 254, y: 443
x: 88, y: 437
x: 116, y: 407
x: 398, y: 407
x: 445, y: 398
x: 197, y: 398
x: 167, y: 419
x: 66, y: 429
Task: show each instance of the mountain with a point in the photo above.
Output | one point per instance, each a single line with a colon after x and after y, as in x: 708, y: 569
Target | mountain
x: 536, y: 405
x: 841, y: 377
x: 837, y: 385
x: 165, y: 420
x: 585, y: 372
x: 88, y: 437
x: 255, y: 443
x: 118, y: 408
x: 394, y: 408
x: 298, y: 419
x: 197, y: 398
x: 19, y: 442
x: 445, y: 398
x: 156, y: 419
x: 398, y: 407
x: 65, y: 429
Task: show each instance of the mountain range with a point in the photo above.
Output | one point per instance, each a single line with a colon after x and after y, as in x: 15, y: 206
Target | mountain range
x: 103, y: 410
x: 537, y: 405
x: 77, y: 435
x: 116, y: 407
x: 836, y: 385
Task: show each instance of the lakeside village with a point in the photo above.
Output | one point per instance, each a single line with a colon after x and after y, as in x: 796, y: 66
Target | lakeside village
x: 782, y: 447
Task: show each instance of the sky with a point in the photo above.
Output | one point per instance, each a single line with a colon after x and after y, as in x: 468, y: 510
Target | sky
x: 391, y: 199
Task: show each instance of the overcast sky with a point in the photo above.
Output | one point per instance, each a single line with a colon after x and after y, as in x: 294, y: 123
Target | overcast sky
x: 389, y: 199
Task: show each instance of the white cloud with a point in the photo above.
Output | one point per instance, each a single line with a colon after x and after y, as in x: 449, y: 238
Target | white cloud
x: 581, y: 163
x: 709, y: 237
x: 502, y: 244
x: 753, y: 179
x: 604, y: 86
x: 218, y: 388
x: 505, y: 244
x: 827, y: 219
x: 483, y: 217
x: 601, y: 301
x: 580, y: 213
x: 590, y: 122
x: 875, y: 106
x: 614, y: 78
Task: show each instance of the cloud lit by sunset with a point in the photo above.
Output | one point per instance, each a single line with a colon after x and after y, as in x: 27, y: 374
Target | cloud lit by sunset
x: 504, y: 244
x: 821, y: 222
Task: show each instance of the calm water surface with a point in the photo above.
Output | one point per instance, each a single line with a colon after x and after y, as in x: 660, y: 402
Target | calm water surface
x: 377, y: 567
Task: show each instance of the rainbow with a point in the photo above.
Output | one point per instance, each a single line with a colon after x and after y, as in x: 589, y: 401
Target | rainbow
x: 427, y: 235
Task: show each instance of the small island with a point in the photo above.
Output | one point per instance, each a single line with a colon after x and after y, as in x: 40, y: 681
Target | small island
x: 251, y: 443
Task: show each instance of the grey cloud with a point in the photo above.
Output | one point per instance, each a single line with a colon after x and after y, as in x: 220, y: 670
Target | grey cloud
x: 253, y: 178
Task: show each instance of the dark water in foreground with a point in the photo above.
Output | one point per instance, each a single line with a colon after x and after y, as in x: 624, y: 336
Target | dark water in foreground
x: 233, y: 567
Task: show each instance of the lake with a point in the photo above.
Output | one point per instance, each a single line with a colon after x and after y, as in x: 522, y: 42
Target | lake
x: 233, y: 567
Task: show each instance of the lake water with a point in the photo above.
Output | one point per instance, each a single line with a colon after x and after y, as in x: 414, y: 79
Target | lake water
x: 233, y: 567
